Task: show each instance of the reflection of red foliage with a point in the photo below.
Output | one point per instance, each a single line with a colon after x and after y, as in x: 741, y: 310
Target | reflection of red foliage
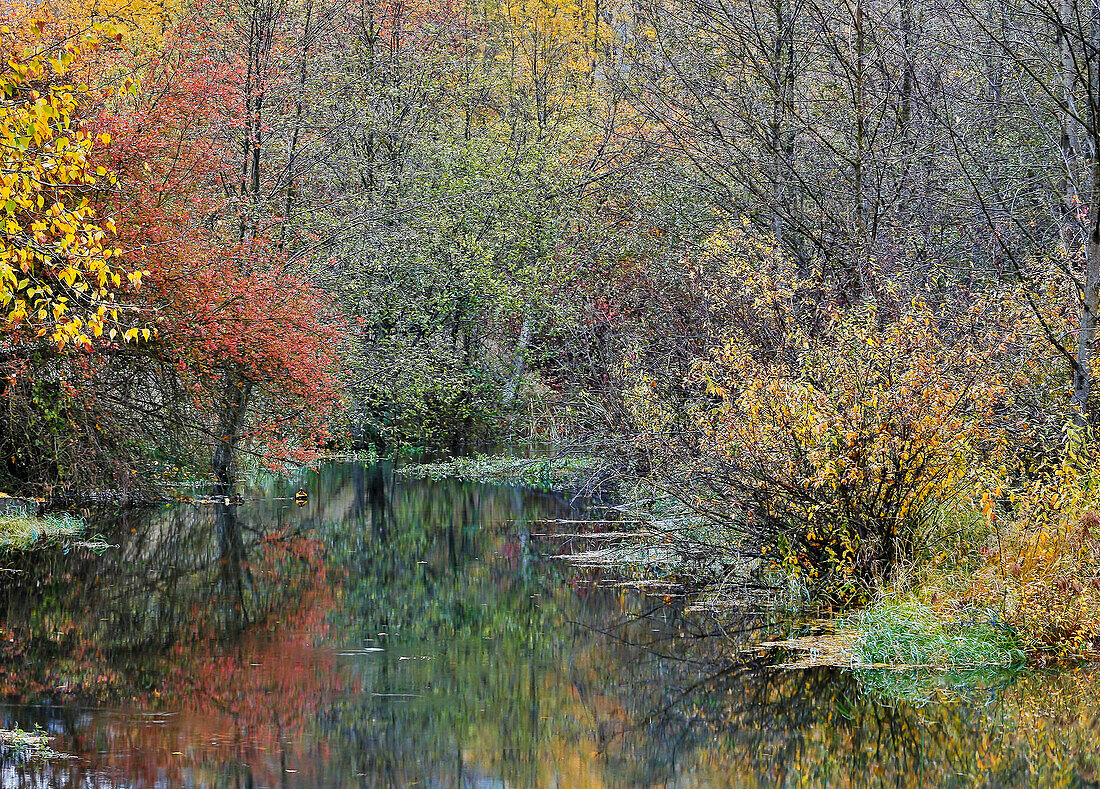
x: 252, y: 700
x: 584, y: 583
x: 512, y: 550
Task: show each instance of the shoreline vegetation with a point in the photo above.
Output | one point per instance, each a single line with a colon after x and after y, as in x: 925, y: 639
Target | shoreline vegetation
x: 559, y: 473
x: 986, y: 580
x: 23, y: 528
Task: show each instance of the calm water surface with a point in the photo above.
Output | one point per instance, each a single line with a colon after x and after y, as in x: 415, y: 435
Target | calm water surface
x: 400, y: 633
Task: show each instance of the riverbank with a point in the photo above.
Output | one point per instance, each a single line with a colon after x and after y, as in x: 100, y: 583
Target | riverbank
x: 995, y: 578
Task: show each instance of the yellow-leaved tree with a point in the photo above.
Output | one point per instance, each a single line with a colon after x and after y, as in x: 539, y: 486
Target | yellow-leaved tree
x: 59, y: 272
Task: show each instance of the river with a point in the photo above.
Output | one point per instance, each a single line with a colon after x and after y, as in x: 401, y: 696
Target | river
x: 396, y: 633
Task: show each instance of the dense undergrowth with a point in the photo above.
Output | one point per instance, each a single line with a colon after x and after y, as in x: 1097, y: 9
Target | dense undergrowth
x: 998, y: 577
x: 986, y: 584
x: 1020, y: 582
x: 913, y: 469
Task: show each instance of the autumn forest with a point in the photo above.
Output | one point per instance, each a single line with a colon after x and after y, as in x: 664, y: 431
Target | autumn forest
x: 802, y: 294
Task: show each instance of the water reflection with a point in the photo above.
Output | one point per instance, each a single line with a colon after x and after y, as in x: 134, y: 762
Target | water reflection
x: 393, y: 633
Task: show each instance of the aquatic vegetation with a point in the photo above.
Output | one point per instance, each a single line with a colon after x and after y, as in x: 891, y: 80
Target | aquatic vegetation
x: 569, y: 472
x: 20, y: 747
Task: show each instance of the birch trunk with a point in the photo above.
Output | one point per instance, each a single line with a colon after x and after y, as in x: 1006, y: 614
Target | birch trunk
x: 519, y: 362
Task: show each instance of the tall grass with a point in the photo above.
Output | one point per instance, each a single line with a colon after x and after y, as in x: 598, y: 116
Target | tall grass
x: 26, y: 532
x: 910, y: 633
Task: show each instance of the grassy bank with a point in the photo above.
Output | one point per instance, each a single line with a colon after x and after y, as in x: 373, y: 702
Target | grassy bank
x: 1003, y: 585
x: 906, y: 634
x: 22, y: 531
x: 909, y: 633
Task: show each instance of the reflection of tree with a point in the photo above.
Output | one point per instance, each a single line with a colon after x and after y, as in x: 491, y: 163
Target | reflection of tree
x: 193, y: 598
x: 443, y: 582
x: 690, y: 709
x: 172, y: 577
x: 248, y: 641
x: 235, y: 573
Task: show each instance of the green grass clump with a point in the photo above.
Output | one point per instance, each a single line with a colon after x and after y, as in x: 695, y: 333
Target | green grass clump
x: 910, y: 633
x: 26, y: 532
x: 542, y: 473
x: 21, y: 747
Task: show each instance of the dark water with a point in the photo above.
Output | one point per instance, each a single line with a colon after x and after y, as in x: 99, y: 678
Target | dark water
x: 415, y: 634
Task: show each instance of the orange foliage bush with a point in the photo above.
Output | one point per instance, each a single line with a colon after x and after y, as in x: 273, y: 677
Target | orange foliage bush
x: 1043, y: 567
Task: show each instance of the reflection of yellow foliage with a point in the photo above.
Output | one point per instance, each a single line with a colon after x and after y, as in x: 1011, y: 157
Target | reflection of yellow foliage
x: 821, y: 728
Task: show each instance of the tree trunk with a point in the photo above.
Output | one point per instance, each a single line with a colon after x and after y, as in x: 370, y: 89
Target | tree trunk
x: 1090, y: 299
x: 519, y: 362
x: 1090, y: 288
x: 231, y: 423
